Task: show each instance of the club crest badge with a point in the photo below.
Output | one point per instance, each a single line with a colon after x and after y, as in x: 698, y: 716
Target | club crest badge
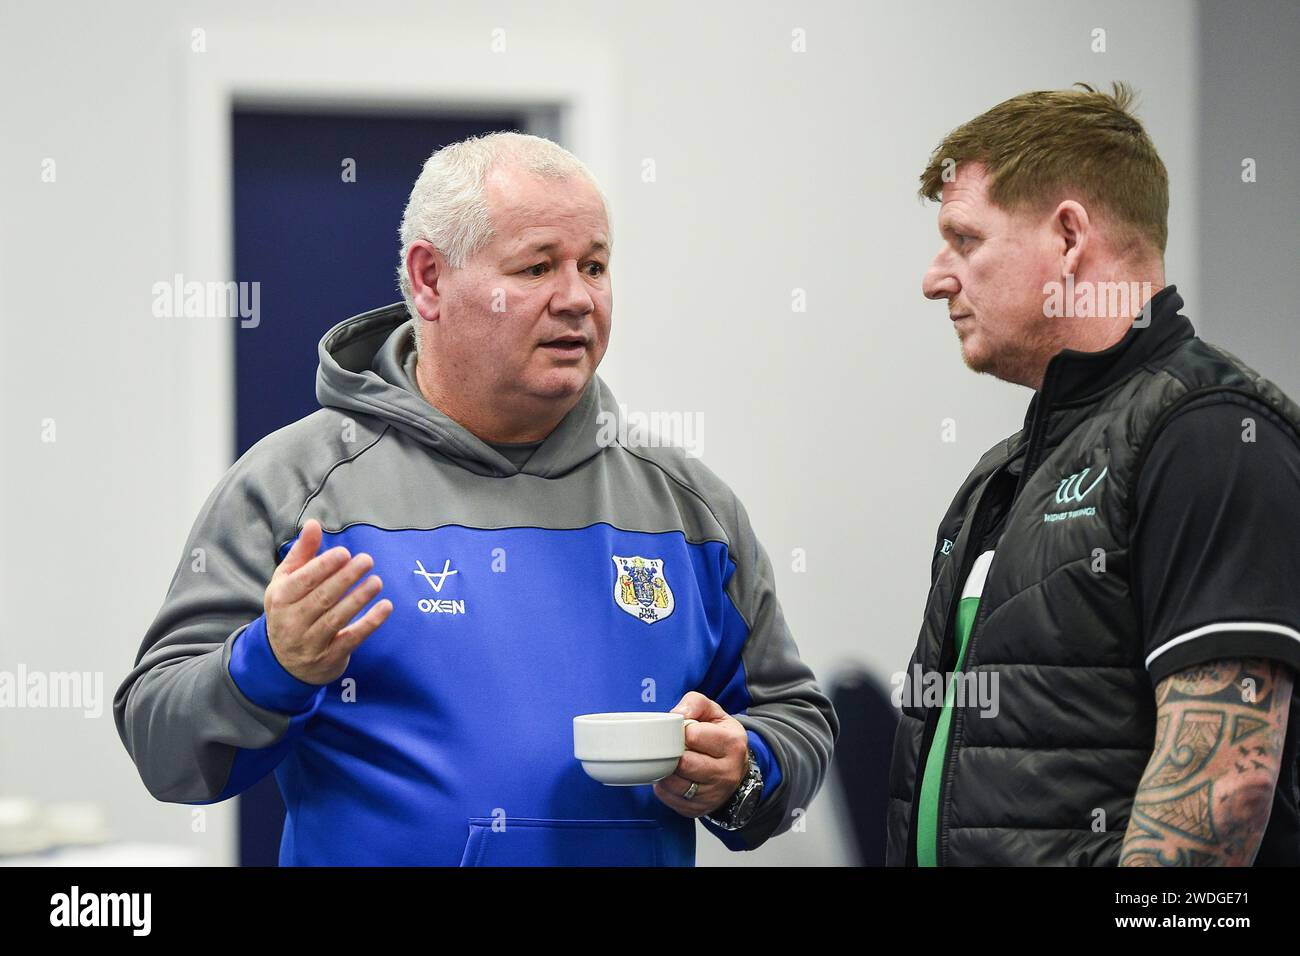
x: 641, y: 588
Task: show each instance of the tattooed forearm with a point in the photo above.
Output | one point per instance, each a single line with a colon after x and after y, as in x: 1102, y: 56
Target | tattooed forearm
x: 1207, y: 792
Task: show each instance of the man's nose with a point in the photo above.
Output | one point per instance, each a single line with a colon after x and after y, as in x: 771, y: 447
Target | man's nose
x: 938, y: 281
x: 573, y: 294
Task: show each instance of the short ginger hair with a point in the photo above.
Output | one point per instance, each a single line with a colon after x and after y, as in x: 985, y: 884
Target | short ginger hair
x: 1044, y: 146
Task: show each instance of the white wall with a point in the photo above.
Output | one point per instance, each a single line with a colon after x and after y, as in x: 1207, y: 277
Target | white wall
x: 1250, y: 87
x: 775, y: 170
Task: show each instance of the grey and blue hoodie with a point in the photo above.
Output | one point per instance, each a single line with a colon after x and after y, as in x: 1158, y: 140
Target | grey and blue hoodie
x: 596, y: 577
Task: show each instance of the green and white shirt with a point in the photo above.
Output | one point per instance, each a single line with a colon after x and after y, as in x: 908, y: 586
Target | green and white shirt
x: 927, y: 831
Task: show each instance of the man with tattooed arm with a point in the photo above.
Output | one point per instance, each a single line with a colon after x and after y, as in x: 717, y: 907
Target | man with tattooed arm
x: 1121, y: 571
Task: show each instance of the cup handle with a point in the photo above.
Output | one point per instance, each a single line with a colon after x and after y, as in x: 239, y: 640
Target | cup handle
x: 685, y: 721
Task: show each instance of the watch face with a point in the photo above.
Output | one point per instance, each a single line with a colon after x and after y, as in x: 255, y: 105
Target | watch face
x: 748, y: 804
x: 749, y: 801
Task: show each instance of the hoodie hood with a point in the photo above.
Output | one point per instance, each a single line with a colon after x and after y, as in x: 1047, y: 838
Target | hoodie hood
x: 363, y: 369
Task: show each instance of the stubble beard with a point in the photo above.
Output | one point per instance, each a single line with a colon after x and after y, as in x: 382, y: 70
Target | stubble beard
x: 1014, y: 362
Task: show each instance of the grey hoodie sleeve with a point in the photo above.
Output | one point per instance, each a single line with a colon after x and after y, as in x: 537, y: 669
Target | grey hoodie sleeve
x: 208, y: 710
x: 792, y: 726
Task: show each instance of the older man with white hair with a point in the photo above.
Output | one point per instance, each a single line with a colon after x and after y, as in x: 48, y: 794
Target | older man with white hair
x: 533, y: 570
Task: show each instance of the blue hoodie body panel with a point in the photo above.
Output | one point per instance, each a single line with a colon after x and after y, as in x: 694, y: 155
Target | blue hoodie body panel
x: 449, y: 738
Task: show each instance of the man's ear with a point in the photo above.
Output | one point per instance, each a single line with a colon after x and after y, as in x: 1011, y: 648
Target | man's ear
x: 1072, y: 229
x: 425, y: 266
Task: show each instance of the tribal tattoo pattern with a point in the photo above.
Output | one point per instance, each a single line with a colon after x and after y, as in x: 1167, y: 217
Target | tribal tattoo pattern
x: 1207, y: 792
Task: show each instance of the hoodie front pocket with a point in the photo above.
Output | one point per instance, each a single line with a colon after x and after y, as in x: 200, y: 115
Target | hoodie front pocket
x: 529, y: 841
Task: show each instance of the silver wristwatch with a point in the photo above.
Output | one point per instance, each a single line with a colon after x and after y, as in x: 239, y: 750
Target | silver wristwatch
x: 740, y: 808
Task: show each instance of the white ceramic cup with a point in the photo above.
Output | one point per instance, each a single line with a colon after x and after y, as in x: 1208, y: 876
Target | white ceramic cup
x: 629, y: 749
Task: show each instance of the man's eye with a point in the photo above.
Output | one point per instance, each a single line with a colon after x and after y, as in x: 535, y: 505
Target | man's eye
x: 543, y: 266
